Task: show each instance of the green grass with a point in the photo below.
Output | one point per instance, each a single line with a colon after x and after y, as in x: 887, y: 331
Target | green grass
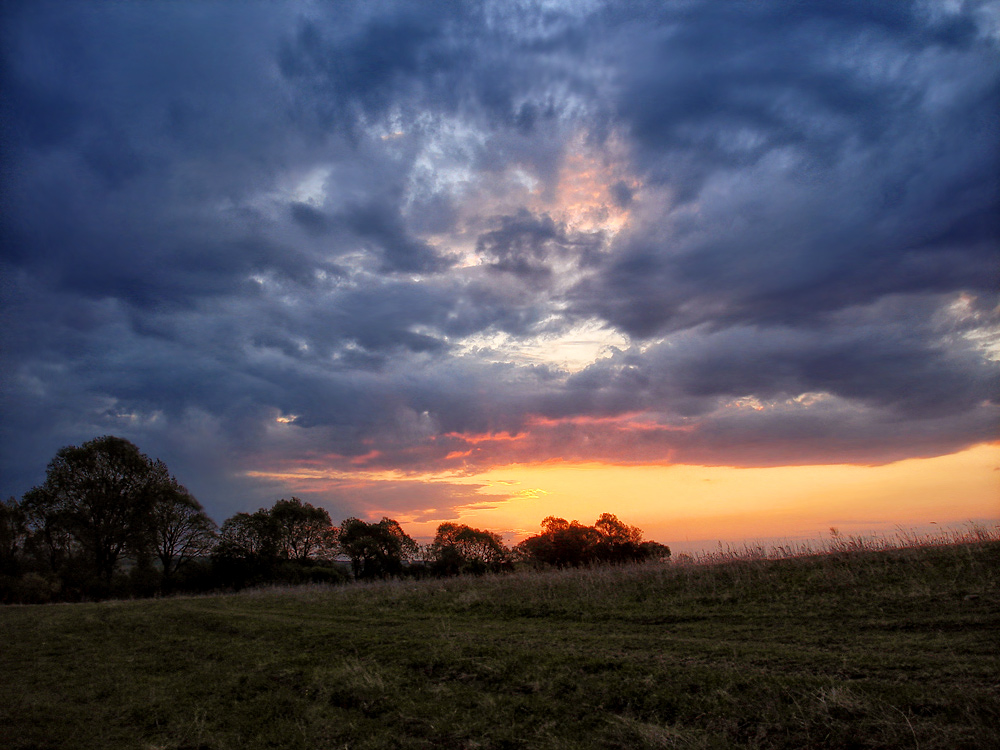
x: 860, y: 648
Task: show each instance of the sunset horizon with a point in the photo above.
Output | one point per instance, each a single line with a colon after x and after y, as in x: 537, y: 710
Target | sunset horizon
x: 729, y: 272
x: 691, y: 508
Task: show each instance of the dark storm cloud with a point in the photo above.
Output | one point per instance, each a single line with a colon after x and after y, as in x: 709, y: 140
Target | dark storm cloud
x: 830, y: 157
x: 524, y: 244
x: 359, y: 65
x: 387, y: 230
x: 878, y: 358
x: 373, y: 224
x: 369, y: 64
x: 112, y: 115
x: 723, y: 86
x: 347, y: 217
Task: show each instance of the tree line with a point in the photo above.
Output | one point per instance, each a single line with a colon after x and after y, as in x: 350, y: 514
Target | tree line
x: 108, y: 521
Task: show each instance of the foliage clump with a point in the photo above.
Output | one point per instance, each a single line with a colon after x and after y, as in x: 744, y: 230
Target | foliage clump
x: 94, y: 526
x: 109, y: 521
x: 377, y: 550
x: 571, y: 544
x: 458, y: 549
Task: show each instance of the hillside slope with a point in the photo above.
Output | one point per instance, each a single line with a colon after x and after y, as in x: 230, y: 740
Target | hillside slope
x: 866, y: 649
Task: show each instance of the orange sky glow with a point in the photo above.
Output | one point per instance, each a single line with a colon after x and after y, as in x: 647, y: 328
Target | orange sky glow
x: 693, y: 508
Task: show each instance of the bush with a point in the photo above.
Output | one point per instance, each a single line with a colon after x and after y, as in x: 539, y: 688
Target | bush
x: 34, y: 588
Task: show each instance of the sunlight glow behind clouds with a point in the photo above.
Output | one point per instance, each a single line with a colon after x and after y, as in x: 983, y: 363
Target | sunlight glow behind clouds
x: 569, y: 350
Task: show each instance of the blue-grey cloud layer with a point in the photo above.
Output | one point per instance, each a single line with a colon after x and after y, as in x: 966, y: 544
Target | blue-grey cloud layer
x: 214, y: 216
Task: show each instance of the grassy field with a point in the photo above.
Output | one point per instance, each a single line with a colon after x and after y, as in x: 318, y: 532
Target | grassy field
x: 859, y: 648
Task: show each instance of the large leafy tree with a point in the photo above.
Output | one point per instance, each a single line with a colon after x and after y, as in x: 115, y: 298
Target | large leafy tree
x: 180, y: 528
x: 13, y: 536
x: 247, y: 549
x: 303, y: 530
x: 563, y: 543
x: 49, y: 540
x: 290, y: 529
x: 248, y: 536
x: 377, y: 550
x: 618, y: 542
x: 101, y: 495
x: 458, y: 548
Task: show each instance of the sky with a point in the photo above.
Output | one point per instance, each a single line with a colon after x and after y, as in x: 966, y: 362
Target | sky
x: 727, y: 270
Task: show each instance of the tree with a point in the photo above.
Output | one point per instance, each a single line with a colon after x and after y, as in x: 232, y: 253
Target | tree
x: 248, y: 536
x: 281, y: 543
x: 100, y: 494
x: 618, y: 542
x: 377, y: 550
x: 615, y: 532
x: 303, y: 530
x: 458, y: 548
x: 561, y: 543
x: 181, y: 529
x: 571, y: 544
x: 13, y: 536
x: 49, y: 541
x: 247, y: 549
x: 655, y: 551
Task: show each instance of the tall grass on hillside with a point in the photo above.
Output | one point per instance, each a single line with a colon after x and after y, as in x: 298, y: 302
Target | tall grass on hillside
x: 838, y: 543
x: 859, y: 647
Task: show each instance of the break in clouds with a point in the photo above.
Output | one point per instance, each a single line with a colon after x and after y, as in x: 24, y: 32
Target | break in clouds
x: 327, y: 239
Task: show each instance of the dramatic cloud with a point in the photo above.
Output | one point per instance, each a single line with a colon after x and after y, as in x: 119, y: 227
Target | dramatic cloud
x: 299, y: 247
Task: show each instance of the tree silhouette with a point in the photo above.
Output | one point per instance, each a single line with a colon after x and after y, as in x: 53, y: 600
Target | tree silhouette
x: 561, y: 543
x: 458, y: 548
x: 618, y: 542
x: 303, y: 530
x: 13, y: 536
x: 655, y: 551
x: 569, y: 544
x: 49, y: 540
x: 283, y: 543
x: 377, y: 550
x: 105, y: 500
x: 181, y: 529
x: 99, y: 498
x: 247, y: 549
x: 248, y: 536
